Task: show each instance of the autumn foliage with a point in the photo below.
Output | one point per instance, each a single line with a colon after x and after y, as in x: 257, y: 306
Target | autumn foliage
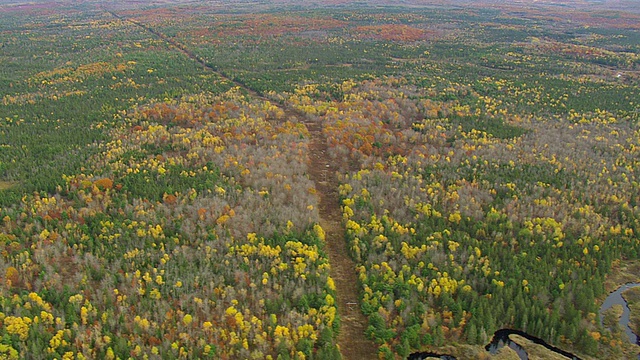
x: 158, y: 203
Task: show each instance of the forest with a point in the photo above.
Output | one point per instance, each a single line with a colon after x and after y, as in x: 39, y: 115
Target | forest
x: 334, y: 180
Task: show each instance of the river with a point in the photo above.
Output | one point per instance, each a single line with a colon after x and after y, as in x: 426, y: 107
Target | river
x: 501, y: 339
x: 615, y: 298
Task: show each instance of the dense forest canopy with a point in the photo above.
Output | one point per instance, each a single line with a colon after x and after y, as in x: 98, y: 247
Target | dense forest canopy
x: 337, y: 179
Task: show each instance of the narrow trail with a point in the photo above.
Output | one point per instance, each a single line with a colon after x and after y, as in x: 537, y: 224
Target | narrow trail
x: 353, y: 344
x: 352, y: 341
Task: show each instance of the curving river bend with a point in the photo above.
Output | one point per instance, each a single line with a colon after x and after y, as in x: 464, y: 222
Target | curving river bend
x: 615, y: 298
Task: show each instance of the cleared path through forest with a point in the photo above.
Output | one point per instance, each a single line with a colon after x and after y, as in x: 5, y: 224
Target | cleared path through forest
x: 353, y: 344
x: 352, y: 341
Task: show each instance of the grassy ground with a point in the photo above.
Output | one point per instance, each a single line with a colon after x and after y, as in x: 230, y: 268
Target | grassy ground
x: 535, y: 351
x: 478, y: 352
x: 632, y: 296
x: 6, y: 184
x: 622, y: 273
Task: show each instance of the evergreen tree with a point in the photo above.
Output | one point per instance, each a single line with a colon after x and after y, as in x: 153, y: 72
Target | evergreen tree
x: 472, y: 333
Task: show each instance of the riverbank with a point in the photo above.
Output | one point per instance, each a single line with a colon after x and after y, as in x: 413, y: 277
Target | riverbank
x: 465, y: 351
x: 535, y: 351
x: 527, y: 349
x: 625, y: 272
x: 632, y: 297
x: 622, y: 272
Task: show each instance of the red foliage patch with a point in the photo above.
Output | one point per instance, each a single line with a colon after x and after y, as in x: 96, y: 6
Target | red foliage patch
x: 104, y: 183
x: 391, y: 32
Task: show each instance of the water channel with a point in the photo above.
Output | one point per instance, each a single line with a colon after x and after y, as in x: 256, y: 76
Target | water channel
x: 615, y: 298
x: 501, y: 339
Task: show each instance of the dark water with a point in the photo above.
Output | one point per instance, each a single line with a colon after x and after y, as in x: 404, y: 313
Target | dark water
x: 615, y: 298
x: 424, y: 355
x: 501, y: 339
